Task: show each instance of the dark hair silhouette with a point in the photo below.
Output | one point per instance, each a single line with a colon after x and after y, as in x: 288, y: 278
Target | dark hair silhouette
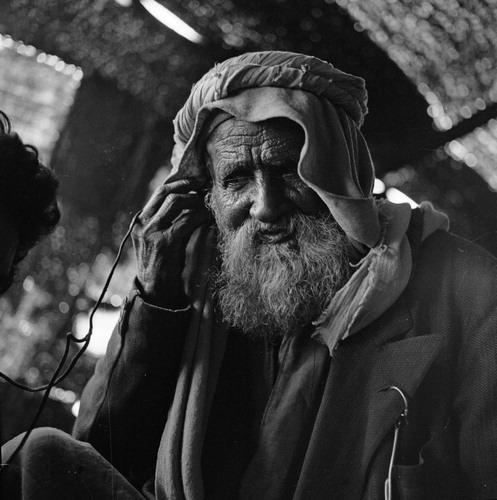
x: 27, y: 189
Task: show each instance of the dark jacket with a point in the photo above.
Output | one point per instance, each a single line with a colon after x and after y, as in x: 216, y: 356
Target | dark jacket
x: 437, y: 343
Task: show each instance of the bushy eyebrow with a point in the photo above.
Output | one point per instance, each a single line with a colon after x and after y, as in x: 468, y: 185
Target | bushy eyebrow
x: 226, y: 168
x: 278, y: 167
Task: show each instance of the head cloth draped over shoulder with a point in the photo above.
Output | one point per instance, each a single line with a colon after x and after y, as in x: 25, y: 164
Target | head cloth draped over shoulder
x: 330, y: 106
x: 327, y: 103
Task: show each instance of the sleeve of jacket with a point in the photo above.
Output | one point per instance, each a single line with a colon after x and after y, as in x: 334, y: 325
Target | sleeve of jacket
x: 124, y: 405
x: 456, y: 290
x: 475, y: 402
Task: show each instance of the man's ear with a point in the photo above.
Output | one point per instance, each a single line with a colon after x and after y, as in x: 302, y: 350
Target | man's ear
x: 207, y: 190
x: 209, y: 167
x: 207, y: 199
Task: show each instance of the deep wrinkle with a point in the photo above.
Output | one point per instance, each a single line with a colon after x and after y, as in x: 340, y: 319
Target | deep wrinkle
x: 254, y: 169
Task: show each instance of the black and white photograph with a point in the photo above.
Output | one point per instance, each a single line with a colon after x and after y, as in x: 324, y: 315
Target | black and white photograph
x: 248, y: 249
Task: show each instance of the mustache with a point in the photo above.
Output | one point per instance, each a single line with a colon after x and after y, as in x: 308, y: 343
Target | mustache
x: 264, y: 232
x: 254, y: 226
x: 290, y: 225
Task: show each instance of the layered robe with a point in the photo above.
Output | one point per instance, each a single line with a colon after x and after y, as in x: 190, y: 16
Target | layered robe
x: 326, y: 431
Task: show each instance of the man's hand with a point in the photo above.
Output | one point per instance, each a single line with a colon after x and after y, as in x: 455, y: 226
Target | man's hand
x: 160, y: 237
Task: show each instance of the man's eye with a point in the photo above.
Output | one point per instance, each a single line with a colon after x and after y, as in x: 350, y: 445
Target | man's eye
x: 293, y: 178
x: 235, y: 181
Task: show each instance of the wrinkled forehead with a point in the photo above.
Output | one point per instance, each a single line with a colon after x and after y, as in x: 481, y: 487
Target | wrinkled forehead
x: 276, y: 141
x: 254, y: 106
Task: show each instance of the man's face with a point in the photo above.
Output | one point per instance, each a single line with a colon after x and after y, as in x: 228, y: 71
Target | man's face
x: 9, y: 235
x: 254, y: 169
x: 282, y: 255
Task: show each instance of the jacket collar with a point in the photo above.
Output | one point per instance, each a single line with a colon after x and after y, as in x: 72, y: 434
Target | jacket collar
x: 357, y: 411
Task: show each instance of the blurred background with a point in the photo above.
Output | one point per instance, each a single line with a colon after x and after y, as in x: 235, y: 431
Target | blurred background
x: 95, y: 84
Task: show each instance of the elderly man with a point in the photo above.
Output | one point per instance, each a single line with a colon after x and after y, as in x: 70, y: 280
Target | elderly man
x: 297, y: 339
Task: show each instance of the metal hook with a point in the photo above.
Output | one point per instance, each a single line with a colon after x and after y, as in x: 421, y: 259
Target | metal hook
x: 400, y: 421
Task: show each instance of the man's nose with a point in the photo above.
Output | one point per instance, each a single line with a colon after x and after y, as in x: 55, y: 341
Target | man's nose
x: 269, y: 203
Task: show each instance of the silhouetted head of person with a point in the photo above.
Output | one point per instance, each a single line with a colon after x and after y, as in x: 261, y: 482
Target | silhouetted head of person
x: 28, y: 206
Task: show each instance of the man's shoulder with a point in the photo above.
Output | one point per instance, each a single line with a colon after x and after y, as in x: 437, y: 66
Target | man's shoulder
x: 446, y: 264
x: 446, y: 250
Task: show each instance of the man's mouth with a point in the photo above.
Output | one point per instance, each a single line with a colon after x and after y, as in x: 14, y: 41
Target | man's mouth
x: 274, y: 235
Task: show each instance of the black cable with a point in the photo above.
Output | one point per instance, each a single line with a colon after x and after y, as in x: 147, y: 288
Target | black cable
x: 70, y: 337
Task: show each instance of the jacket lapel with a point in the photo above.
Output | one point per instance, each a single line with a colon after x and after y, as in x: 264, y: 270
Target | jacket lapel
x: 403, y: 365
x: 357, y: 409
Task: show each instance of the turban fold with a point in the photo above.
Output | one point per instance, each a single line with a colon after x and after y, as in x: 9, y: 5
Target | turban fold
x: 327, y: 103
x: 274, y: 69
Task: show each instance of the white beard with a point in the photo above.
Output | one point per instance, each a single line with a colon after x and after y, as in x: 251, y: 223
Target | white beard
x: 271, y: 289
